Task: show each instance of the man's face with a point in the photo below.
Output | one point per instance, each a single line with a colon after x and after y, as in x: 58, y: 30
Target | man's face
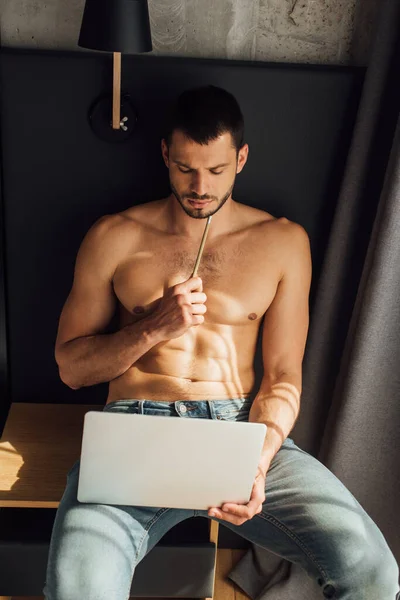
x: 202, y: 173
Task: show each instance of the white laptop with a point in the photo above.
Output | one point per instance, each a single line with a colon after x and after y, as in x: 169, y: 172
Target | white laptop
x: 156, y: 461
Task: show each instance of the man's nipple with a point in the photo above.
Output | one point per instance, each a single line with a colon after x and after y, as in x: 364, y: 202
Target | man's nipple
x: 252, y: 316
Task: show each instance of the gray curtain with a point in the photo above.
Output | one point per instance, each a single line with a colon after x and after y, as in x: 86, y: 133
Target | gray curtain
x: 351, y: 371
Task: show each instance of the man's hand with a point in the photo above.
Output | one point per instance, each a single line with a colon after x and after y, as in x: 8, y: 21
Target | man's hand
x: 183, y: 306
x: 240, y: 513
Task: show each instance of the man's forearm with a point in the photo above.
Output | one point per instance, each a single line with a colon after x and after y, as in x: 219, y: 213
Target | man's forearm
x: 277, y: 405
x: 100, y: 358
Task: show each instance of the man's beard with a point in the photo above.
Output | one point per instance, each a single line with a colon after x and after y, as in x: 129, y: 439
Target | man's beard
x: 197, y: 213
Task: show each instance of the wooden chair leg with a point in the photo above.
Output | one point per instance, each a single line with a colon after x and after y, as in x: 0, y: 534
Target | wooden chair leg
x: 224, y: 588
x: 214, y: 529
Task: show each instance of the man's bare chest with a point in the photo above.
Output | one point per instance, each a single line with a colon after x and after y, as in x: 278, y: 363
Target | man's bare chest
x: 240, y: 281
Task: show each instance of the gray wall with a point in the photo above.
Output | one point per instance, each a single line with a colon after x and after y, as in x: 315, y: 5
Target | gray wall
x: 308, y: 31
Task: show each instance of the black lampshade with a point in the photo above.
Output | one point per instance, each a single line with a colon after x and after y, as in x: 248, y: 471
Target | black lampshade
x: 116, y: 26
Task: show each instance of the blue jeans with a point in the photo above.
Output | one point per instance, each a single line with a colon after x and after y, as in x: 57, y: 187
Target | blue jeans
x: 309, y: 517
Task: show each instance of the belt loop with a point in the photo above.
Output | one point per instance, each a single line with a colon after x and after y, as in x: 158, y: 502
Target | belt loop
x: 140, y: 407
x: 211, y: 409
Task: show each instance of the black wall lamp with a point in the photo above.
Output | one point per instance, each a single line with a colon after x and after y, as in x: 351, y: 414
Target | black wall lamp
x: 117, y: 26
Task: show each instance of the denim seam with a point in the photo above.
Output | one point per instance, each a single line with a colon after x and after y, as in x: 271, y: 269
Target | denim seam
x: 296, y: 539
x: 234, y: 412
x: 147, y: 529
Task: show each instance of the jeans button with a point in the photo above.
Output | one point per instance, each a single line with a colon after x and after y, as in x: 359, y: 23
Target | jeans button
x: 182, y: 408
x: 219, y: 417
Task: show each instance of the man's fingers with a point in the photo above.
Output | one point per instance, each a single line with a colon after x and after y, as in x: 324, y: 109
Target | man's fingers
x: 246, y: 510
x: 235, y: 519
x: 239, y: 510
x: 230, y: 518
x: 240, y: 513
x: 242, y: 510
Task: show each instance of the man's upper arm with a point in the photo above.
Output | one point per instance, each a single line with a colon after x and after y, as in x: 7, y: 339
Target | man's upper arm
x: 91, y: 302
x: 286, y: 320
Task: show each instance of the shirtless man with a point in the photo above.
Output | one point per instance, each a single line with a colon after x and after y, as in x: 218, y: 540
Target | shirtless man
x: 186, y: 347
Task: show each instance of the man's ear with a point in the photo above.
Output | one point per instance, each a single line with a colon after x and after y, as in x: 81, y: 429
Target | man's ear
x: 242, y: 157
x: 165, y: 152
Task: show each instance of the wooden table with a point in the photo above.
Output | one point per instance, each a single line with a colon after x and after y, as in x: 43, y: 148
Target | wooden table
x: 39, y: 445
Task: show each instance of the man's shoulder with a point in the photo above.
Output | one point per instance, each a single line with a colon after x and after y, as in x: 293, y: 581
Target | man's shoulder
x: 287, y: 231
x: 253, y: 215
x: 109, y: 234
x: 281, y: 232
x: 292, y: 232
x: 125, y: 220
x: 283, y: 238
x: 105, y: 229
x: 120, y: 230
x: 292, y: 245
x: 264, y: 219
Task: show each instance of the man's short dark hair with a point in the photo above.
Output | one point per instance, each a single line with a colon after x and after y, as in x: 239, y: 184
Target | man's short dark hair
x: 205, y: 113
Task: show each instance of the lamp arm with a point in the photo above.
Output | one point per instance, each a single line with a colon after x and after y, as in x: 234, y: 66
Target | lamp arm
x: 116, y: 115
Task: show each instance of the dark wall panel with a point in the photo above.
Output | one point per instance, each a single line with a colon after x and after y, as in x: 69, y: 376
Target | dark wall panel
x: 58, y: 177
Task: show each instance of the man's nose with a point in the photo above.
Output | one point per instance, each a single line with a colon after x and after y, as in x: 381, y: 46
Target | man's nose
x: 199, y: 184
